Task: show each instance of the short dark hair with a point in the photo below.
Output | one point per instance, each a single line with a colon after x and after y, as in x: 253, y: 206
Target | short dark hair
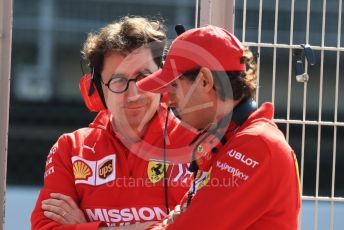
x: 124, y: 36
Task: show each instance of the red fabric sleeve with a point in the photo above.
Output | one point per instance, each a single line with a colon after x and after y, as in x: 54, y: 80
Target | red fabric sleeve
x: 58, y: 178
x: 259, y: 202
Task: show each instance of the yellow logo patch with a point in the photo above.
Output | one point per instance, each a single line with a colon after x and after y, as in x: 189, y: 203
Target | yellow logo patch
x: 204, y: 180
x: 155, y: 171
x: 81, y: 170
x: 200, y: 149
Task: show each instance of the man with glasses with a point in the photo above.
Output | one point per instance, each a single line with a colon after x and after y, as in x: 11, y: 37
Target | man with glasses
x: 113, y: 173
x: 245, y: 172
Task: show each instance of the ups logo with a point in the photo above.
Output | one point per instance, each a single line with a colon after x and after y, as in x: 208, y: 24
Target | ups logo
x: 105, y: 169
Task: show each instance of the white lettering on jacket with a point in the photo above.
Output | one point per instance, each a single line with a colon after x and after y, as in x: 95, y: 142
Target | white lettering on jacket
x: 234, y: 171
x: 49, y: 171
x: 50, y: 156
x: 242, y: 158
x: 114, y: 217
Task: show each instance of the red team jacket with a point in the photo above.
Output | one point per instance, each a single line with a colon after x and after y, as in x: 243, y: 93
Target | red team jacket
x: 252, y: 182
x: 110, y: 183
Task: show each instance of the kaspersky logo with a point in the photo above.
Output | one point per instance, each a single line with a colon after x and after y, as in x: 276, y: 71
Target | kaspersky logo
x: 94, y: 172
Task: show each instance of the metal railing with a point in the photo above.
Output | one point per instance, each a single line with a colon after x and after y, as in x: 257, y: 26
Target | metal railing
x: 335, y: 123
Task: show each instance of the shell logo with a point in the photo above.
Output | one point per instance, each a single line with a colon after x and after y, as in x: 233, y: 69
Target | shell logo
x: 81, y: 170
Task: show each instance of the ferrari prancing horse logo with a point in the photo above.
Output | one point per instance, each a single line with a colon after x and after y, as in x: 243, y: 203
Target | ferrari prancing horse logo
x: 155, y: 171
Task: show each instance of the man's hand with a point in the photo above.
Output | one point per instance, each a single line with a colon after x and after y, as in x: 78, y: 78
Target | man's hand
x: 63, y: 209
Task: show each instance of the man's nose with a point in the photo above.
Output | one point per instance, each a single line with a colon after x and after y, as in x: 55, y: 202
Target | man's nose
x: 133, y: 91
x: 171, y: 99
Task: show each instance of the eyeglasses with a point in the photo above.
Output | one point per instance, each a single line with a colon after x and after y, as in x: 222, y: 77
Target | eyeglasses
x: 119, y: 83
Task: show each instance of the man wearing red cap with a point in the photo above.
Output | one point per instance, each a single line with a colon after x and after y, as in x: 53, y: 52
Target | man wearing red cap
x: 246, y: 174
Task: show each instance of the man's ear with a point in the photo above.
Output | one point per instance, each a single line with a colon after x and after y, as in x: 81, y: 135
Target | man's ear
x: 207, y: 80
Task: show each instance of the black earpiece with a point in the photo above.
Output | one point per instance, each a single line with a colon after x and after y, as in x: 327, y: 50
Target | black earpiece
x: 300, y: 55
x: 91, y: 88
x: 214, y: 150
x: 179, y: 28
x: 96, y: 78
x: 308, y: 52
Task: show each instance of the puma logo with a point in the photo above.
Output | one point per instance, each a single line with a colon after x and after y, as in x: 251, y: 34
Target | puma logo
x: 90, y: 148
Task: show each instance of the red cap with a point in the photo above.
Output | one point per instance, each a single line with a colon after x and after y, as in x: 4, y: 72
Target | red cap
x: 210, y: 46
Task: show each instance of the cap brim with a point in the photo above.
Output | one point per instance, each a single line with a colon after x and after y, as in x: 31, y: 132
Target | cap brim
x: 156, y: 82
